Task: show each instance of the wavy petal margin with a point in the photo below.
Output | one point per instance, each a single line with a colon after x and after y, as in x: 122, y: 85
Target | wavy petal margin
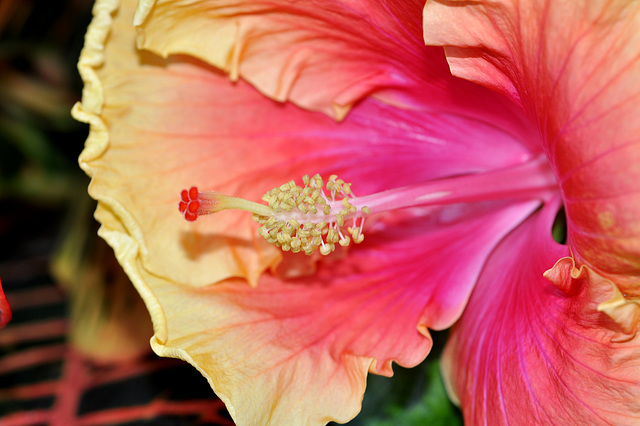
x: 298, y: 351
x: 108, y: 105
x: 536, y: 350
x: 575, y: 68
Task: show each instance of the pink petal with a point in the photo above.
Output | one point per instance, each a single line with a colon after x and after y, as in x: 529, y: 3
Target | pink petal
x: 574, y: 67
x: 527, y: 351
x: 297, y: 351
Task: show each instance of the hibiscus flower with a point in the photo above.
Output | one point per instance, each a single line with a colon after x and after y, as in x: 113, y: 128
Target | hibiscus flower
x: 456, y: 189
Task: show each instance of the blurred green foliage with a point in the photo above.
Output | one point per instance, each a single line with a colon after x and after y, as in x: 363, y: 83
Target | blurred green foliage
x: 39, y: 141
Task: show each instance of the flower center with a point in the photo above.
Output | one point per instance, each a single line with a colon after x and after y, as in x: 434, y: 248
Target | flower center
x: 319, y: 215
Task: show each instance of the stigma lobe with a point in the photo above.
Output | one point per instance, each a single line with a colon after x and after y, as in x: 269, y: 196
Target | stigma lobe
x: 189, y: 203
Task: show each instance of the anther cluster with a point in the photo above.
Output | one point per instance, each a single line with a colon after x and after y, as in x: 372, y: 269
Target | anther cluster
x: 312, y: 217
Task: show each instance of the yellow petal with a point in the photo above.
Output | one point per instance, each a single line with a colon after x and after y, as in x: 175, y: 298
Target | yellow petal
x: 138, y: 119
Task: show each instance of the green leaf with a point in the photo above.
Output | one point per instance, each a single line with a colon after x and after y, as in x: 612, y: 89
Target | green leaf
x: 413, y: 396
x: 433, y: 408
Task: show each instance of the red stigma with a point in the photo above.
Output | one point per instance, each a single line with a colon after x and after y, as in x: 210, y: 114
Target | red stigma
x: 189, y: 203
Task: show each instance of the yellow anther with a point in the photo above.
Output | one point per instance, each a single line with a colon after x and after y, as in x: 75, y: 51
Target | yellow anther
x: 332, y: 236
x: 263, y: 232
x: 318, y: 181
x: 286, y: 207
x: 357, y: 236
x: 345, y: 241
x: 287, y: 230
x: 310, y: 217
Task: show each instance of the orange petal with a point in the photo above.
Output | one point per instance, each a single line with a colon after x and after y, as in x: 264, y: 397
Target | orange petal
x: 322, y: 56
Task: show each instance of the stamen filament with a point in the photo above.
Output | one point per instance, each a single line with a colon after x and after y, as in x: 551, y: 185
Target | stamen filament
x: 194, y: 203
x: 230, y: 203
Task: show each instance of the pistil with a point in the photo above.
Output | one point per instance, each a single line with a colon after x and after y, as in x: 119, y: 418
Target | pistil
x: 525, y: 181
x: 318, y: 216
